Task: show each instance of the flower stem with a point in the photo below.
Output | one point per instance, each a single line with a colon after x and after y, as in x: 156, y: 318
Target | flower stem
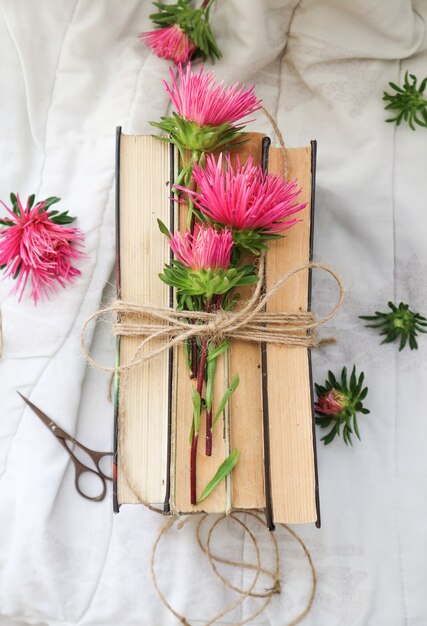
x: 202, y: 365
x: 193, y: 355
x: 195, y: 439
x: 209, y: 433
x: 193, y: 468
x: 216, y: 304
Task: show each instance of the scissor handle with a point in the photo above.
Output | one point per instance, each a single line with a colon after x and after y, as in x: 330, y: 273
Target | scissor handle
x: 81, y: 469
x: 95, y: 456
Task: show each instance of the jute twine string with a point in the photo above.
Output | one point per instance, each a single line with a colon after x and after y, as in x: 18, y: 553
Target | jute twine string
x: 250, y: 323
x: 285, y: 160
x: 274, y: 573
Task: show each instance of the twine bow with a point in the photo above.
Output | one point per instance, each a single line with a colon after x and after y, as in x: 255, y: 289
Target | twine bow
x: 250, y: 323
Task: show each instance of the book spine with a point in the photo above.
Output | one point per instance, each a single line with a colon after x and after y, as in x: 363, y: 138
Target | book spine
x: 313, y: 145
x: 266, y: 142
x: 172, y: 176
x: 116, y: 506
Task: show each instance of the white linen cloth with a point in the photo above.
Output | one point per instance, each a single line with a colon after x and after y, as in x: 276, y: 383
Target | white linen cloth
x: 71, y: 70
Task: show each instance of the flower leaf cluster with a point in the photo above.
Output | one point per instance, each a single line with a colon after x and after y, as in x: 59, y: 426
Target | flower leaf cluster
x: 206, y: 282
x: 339, y: 401
x: 188, y: 135
x: 408, y: 102
x: 400, y: 324
x: 195, y: 22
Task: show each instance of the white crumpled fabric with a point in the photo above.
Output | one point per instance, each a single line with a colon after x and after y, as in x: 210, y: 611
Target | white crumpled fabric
x: 71, y: 71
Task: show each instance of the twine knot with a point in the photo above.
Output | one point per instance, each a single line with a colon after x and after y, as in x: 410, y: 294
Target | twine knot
x: 167, y: 327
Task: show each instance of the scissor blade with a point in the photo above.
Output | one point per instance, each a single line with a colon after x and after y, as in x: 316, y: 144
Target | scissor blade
x: 44, y: 418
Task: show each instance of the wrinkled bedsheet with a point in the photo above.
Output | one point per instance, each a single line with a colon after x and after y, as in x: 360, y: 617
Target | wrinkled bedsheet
x: 71, y: 71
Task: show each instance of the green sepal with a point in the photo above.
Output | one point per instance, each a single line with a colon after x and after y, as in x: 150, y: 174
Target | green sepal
x: 206, y: 283
x: 188, y: 135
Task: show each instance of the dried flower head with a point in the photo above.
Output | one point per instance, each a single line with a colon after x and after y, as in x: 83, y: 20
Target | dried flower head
x: 253, y: 204
x: 400, y: 324
x: 408, y: 103
x: 207, y: 114
x: 37, y: 247
x: 171, y: 43
x: 182, y: 32
x: 338, y: 403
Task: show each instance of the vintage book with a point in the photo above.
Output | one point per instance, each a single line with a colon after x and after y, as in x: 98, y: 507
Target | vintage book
x: 269, y: 418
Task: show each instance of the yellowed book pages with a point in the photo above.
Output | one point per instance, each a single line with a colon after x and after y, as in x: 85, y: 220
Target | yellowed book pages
x: 144, y: 197
x: 292, y: 462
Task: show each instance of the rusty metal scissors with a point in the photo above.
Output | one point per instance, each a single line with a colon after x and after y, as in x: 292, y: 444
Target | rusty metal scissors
x: 80, y: 468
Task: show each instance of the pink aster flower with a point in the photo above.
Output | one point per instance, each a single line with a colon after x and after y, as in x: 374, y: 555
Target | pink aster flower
x: 35, y: 249
x: 197, y: 98
x: 244, y: 198
x: 331, y: 403
x: 171, y: 43
x: 205, y: 249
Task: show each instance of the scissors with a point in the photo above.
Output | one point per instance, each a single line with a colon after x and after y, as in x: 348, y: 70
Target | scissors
x: 80, y: 469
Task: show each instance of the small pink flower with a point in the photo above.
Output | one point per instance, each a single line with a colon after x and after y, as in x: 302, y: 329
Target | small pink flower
x: 197, y: 98
x: 171, y: 43
x: 33, y: 248
x: 244, y: 198
x: 331, y: 403
x: 205, y: 249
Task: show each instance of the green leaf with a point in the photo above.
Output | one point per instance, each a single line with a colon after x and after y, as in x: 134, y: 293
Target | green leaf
x: 163, y: 228
x: 227, y: 395
x: 222, y: 472
x: 197, y: 407
x: 223, y: 347
x: 356, y: 427
x: 15, y: 205
x: 49, y: 201
x: 62, y: 218
x: 210, y: 377
x: 353, y: 378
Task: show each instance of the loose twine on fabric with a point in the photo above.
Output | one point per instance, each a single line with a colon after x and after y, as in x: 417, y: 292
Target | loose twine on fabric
x: 169, y: 328
x: 256, y: 567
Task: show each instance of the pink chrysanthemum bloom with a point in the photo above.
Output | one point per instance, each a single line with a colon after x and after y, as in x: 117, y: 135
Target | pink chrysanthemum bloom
x: 202, y: 265
x: 197, y: 98
x: 253, y: 204
x: 205, y: 249
x: 331, y: 403
x: 35, y: 249
x: 171, y: 43
x: 208, y: 114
